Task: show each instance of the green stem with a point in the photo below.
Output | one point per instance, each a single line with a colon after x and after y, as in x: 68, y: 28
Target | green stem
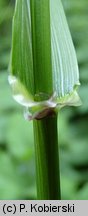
x: 45, y: 130
x: 41, y: 46
x: 47, y: 158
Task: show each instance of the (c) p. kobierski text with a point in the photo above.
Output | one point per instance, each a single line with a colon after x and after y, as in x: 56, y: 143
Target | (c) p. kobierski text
x: 52, y: 208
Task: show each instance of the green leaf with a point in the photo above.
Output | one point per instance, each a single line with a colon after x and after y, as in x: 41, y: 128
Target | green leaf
x: 65, y: 68
x: 43, y: 58
x: 21, y: 58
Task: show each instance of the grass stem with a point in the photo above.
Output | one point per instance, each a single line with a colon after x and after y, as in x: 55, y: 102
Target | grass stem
x: 47, y: 158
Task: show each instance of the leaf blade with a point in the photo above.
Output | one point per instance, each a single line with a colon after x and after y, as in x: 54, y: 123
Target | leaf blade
x: 64, y: 61
x: 21, y: 58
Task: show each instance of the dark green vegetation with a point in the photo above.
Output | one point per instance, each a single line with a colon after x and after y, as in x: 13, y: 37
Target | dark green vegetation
x: 17, y: 173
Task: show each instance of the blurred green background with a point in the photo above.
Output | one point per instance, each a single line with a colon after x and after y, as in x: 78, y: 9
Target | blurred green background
x: 17, y: 165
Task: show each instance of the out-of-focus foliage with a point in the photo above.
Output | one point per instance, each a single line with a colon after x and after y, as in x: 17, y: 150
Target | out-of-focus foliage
x: 74, y: 122
x: 6, y: 12
x: 17, y: 168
